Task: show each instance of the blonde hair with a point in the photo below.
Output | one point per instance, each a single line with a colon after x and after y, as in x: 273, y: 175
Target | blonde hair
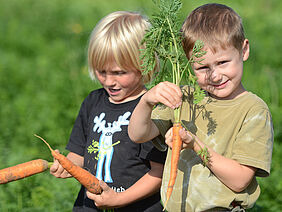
x: 216, y: 25
x: 116, y: 39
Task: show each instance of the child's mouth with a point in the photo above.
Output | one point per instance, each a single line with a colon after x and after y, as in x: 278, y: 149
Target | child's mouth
x: 222, y: 85
x: 113, y: 91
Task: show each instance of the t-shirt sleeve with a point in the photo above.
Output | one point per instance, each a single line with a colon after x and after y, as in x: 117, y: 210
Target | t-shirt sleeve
x: 151, y: 153
x: 161, y: 116
x: 253, y: 145
x: 159, y: 143
x: 77, y: 140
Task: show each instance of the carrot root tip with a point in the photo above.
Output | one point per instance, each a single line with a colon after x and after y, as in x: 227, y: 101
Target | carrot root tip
x: 44, y: 142
x: 165, y: 204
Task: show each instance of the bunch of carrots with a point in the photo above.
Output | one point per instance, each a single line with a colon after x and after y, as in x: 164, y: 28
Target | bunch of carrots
x: 20, y: 171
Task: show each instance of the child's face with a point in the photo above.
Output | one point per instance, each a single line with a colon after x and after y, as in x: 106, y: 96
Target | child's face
x: 121, y: 85
x: 220, y: 73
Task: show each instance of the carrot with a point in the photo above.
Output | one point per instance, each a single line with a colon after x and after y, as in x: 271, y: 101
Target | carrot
x: 23, y: 170
x: 89, y: 181
x: 175, y: 154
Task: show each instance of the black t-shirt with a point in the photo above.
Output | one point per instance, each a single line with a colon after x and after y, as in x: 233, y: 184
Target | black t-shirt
x: 100, y: 136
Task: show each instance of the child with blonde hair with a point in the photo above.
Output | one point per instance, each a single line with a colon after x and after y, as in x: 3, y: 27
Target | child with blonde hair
x: 233, y: 124
x: 130, y: 174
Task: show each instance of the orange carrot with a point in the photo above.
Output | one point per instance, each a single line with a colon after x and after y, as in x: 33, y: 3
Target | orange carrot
x: 23, y: 170
x: 89, y: 181
x: 175, y: 154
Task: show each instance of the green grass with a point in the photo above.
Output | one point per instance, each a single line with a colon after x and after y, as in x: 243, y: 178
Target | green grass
x: 44, y: 79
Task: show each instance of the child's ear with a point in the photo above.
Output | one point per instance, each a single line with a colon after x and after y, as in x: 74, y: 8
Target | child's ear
x: 245, y: 50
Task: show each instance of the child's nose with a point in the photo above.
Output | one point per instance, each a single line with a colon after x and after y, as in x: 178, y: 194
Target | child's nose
x: 109, y: 80
x: 215, y: 76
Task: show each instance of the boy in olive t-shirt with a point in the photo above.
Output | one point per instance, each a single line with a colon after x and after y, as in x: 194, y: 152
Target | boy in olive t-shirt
x: 233, y: 124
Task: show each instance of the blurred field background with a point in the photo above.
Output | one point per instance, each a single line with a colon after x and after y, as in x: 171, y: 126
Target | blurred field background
x: 44, y: 79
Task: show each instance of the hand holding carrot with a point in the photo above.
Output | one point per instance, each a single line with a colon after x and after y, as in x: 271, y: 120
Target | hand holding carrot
x: 57, y: 170
x: 166, y: 93
x: 187, y: 138
x: 177, y: 138
x: 107, y: 199
x: 86, y: 179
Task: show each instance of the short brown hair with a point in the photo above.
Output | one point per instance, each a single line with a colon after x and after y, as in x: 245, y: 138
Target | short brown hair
x: 217, y: 25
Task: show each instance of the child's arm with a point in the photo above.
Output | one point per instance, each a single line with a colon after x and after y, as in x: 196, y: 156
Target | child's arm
x: 231, y: 173
x: 146, y: 186
x: 141, y: 128
x: 58, y: 171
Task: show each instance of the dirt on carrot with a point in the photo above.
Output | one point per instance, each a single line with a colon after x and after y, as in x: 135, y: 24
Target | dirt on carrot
x: 23, y: 170
x: 89, y: 181
x: 175, y: 154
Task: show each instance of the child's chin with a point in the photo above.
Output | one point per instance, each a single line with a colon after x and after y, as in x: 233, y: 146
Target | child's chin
x: 117, y: 99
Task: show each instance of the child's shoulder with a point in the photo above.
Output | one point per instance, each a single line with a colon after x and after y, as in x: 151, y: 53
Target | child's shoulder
x: 96, y: 94
x: 94, y: 97
x: 253, y: 100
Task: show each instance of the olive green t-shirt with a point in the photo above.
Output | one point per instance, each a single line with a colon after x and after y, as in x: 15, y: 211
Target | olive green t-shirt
x: 240, y: 129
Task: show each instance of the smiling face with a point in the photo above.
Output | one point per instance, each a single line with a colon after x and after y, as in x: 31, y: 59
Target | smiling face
x: 121, y: 85
x: 220, y: 72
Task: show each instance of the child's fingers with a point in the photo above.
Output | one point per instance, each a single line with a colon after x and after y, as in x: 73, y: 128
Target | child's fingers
x: 98, y: 199
x: 176, y: 90
x: 168, y: 135
x: 166, y: 93
x: 61, y: 172
x: 187, y: 138
x: 65, y: 174
x: 54, y: 167
x: 104, y: 186
x: 57, y: 151
x: 91, y: 195
x: 57, y: 170
x: 171, y: 94
x: 183, y: 133
x: 168, y: 138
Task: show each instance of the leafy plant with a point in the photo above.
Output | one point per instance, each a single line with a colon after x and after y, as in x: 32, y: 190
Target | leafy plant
x: 164, y: 41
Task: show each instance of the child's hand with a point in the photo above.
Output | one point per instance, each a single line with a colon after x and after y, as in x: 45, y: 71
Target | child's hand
x: 166, y: 93
x: 57, y: 170
x: 186, y: 137
x: 107, y: 199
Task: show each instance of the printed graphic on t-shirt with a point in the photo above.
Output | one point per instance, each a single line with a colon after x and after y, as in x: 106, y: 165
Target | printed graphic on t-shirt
x: 106, y: 144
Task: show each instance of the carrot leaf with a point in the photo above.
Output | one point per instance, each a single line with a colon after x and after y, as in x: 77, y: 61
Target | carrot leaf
x: 205, y: 155
x: 163, y: 41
